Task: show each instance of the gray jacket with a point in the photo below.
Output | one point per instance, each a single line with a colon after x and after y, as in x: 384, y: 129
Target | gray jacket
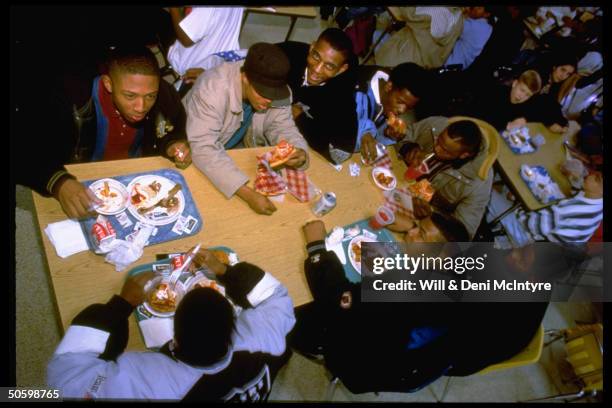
x: 468, y: 188
x: 214, y: 113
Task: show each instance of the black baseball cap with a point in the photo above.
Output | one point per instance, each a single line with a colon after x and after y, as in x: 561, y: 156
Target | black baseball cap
x: 267, y: 67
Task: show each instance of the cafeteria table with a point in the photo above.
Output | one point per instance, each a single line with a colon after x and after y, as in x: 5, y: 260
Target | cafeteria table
x: 275, y: 243
x: 293, y: 12
x: 550, y: 155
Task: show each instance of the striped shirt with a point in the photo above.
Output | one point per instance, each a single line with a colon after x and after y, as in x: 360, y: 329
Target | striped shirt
x: 570, y: 220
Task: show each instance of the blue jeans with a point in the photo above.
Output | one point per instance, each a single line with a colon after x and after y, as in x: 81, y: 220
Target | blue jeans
x: 515, y: 231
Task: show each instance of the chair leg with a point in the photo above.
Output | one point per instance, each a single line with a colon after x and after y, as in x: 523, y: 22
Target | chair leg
x: 445, y: 391
x: 331, y: 388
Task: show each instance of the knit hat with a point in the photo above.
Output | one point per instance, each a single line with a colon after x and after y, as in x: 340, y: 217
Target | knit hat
x: 267, y: 67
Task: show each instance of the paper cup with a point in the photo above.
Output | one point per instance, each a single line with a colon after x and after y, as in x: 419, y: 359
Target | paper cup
x: 383, y: 216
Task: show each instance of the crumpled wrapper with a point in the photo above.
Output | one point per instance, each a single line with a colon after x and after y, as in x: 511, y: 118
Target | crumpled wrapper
x: 124, y: 253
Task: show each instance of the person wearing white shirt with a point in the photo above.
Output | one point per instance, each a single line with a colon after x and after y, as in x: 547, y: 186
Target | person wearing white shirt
x: 201, y: 32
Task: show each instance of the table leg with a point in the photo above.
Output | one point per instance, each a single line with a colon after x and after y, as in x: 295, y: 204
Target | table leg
x: 293, y: 20
x: 244, y: 19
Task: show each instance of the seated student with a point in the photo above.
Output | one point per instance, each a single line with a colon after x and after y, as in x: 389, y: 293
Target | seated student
x: 407, y: 344
x: 322, y: 84
x: 507, y: 107
x: 383, y: 94
x: 215, y: 355
x: 242, y: 104
x: 460, y: 170
x: 475, y: 34
x: 554, y: 71
x: 125, y: 112
x: 571, y: 220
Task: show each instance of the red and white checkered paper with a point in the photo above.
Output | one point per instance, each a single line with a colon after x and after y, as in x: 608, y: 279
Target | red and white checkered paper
x: 395, y: 205
x: 273, y: 183
x: 382, y: 161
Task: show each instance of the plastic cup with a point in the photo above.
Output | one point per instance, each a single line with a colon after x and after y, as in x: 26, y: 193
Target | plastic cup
x: 415, y: 172
x: 538, y: 140
x: 383, y: 216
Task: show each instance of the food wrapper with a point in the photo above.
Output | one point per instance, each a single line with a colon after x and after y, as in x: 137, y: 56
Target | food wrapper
x: 125, y: 253
x: 422, y: 189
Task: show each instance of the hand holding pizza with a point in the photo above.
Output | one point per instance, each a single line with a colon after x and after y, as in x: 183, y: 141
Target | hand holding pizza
x: 286, y: 154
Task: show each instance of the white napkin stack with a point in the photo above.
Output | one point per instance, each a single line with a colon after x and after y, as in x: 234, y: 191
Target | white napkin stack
x: 67, y: 237
x: 156, y: 331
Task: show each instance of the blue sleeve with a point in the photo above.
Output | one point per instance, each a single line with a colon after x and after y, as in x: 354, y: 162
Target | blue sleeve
x: 364, y: 122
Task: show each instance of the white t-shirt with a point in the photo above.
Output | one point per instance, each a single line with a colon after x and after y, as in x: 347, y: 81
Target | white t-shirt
x: 212, y: 29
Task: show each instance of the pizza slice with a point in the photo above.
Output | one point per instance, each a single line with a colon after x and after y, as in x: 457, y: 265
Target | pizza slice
x: 422, y: 189
x: 396, y: 123
x: 281, y: 153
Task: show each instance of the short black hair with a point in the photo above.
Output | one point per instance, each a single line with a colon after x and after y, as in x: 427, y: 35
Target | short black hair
x: 564, y: 57
x: 203, y: 326
x: 340, y: 42
x: 133, y: 59
x: 467, y: 133
x: 412, y: 77
x: 452, y: 229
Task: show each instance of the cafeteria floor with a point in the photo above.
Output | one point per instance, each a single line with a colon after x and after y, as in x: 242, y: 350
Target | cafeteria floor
x: 37, y: 326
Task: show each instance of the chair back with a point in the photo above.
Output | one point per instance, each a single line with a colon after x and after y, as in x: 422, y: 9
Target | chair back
x: 529, y: 355
x: 585, y: 354
x: 491, y: 137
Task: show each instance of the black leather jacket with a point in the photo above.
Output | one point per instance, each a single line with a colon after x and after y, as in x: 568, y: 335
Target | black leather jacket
x: 60, y: 127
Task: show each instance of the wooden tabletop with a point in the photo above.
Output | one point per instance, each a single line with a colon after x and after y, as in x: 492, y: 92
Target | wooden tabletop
x: 275, y: 243
x: 550, y: 155
x: 309, y: 11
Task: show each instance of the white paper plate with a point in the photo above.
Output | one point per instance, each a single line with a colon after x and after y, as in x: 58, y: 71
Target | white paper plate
x: 159, y: 215
x: 357, y: 240
x: 118, y: 200
x: 378, y: 170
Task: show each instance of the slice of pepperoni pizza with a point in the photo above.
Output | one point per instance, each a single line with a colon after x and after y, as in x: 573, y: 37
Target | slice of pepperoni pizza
x: 281, y: 153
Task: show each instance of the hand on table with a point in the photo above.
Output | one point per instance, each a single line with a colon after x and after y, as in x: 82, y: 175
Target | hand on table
x: 258, y: 203
x: 192, y: 74
x: 181, y: 154
x: 133, y: 288
x: 421, y: 208
x: 556, y: 128
x: 204, y: 257
x: 76, y: 200
x: 314, y: 231
x: 297, y: 158
x: 402, y: 223
x: 516, y: 123
x: 368, y: 148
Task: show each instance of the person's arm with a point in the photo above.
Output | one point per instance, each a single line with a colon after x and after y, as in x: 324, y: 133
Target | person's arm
x: 205, y: 107
x: 177, y: 15
x: 267, y: 315
x: 470, y: 209
x: 324, y: 272
x: 173, y: 145
x: 93, y: 342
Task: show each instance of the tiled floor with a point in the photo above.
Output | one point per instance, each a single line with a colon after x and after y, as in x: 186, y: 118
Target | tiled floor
x: 37, y: 331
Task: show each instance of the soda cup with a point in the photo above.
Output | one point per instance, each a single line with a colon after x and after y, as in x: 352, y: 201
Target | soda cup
x: 383, y: 216
x: 177, y: 261
x: 324, y: 204
x: 414, y: 173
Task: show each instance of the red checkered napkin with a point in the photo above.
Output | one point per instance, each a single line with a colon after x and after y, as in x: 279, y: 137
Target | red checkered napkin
x: 268, y: 181
x: 297, y: 183
x: 397, y: 201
